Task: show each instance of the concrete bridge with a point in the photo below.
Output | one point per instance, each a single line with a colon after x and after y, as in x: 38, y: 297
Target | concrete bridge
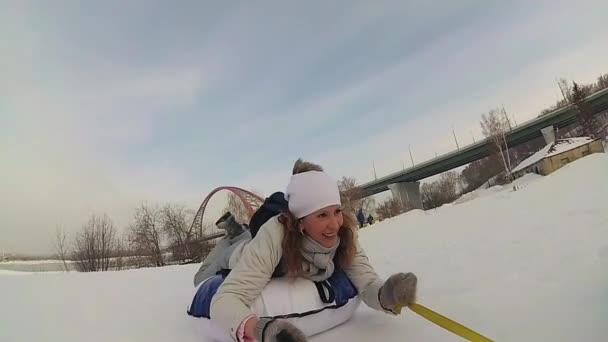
x: 405, y: 184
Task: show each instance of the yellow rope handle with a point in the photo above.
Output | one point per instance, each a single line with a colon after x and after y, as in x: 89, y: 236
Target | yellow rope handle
x: 448, y: 324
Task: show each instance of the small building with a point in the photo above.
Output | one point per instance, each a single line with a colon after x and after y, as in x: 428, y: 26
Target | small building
x: 557, y: 154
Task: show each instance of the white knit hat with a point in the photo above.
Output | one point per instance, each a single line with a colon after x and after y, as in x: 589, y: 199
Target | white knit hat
x: 310, y: 191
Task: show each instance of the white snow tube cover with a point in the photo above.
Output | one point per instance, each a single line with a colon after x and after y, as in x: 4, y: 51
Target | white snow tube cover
x: 312, y: 307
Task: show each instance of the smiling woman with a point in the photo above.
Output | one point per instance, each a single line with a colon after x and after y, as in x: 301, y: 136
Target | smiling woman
x: 306, y: 254
x: 305, y: 226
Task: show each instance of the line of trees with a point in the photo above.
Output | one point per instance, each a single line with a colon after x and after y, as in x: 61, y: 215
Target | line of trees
x: 589, y: 125
x: 390, y: 207
x: 156, y: 236
x: 444, y: 190
x: 567, y: 90
x: 574, y: 94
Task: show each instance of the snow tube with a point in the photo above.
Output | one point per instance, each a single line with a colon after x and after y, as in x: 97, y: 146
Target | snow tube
x: 313, y: 307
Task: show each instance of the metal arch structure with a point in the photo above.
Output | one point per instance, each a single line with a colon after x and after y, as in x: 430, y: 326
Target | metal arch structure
x: 250, y: 200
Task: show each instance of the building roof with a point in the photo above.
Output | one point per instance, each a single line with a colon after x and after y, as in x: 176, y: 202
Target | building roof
x: 555, y: 148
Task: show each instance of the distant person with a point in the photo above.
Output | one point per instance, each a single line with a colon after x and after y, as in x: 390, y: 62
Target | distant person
x: 370, y: 219
x: 361, y: 217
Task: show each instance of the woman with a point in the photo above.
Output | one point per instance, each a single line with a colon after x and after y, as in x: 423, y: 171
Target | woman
x: 310, y: 240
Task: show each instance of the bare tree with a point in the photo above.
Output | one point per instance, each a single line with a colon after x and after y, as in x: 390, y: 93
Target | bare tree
x: 494, y: 126
x: 349, y: 193
x: 61, y: 246
x: 444, y: 190
x: 120, y: 252
x: 352, y: 197
x: 602, y: 82
x: 200, y: 245
x: 450, y: 185
x: 584, y: 112
x: 389, y: 207
x: 175, y: 224
x: 95, y: 245
x: 431, y: 196
x: 107, y: 242
x: 145, y: 233
x: 479, y: 171
x: 564, y: 87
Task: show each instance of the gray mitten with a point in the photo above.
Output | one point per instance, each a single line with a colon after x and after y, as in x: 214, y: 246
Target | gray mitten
x: 277, y: 330
x: 398, y: 291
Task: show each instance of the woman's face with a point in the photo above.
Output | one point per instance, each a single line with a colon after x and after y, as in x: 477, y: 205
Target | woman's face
x: 323, y: 225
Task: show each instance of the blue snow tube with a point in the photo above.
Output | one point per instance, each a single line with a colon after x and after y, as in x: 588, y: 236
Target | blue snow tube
x: 201, y: 303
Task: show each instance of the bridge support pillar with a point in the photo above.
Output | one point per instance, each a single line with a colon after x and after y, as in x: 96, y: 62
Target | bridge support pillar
x: 408, y: 194
x: 549, y: 134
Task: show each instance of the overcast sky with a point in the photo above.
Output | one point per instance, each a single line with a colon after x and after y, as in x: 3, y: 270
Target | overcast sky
x: 105, y: 104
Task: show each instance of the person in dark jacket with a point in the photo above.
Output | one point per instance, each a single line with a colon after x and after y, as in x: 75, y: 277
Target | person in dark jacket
x: 272, y: 206
x: 361, y: 217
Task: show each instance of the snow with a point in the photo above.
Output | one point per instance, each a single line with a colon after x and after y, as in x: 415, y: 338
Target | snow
x: 479, y: 193
x: 555, y: 148
x: 527, y: 265
x: 526, y: 179
x: 533, y: 159
x: 33, y: 262
x: 35, y: 265
x: 564, y: 145
x: 9, y: 272
x: 519, y: 183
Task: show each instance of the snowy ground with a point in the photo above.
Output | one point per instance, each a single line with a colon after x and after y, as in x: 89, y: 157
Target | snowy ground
x: 519, y: 183
x: 31, y: 262
x: 529, y: 265
x: 35, y: 265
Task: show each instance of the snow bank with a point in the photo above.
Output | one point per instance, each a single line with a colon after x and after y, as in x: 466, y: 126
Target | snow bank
x: 30, y: 262
x: 8, y: 272
x: 527, y: 179
x: 483, y: 192
x: 519, y: 266
x: 33, y: 262
x: 517, y: 184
